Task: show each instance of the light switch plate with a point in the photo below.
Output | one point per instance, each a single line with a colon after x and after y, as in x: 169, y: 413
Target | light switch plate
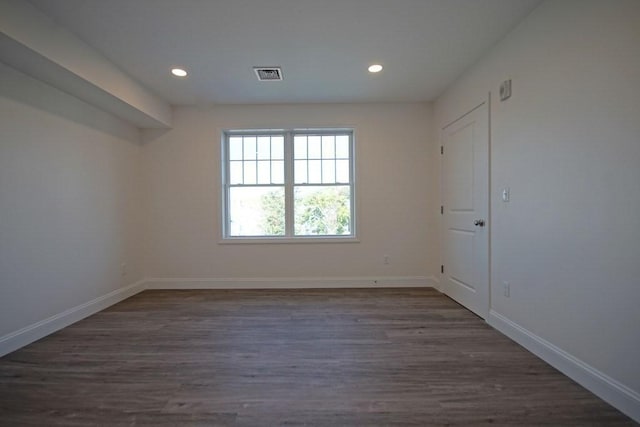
x: 506, y: 194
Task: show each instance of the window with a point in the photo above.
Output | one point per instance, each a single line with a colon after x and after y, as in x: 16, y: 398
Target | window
x: 288, y: 184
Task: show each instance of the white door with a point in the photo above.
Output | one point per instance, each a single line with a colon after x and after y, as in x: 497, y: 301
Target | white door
x: 465, y: 201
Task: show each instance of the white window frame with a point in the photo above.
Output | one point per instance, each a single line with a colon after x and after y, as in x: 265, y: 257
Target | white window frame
x: 289, y: 185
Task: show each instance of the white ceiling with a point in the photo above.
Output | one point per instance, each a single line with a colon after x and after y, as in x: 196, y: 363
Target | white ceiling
x: 323, y: 46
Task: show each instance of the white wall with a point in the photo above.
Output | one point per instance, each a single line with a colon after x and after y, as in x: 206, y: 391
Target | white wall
x: 568, y: 145
x: 395, y: 214
x: 32, y: 42
x: 70, y: 205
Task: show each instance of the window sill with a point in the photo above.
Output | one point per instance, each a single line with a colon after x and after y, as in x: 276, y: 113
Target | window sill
x: 286, y: 240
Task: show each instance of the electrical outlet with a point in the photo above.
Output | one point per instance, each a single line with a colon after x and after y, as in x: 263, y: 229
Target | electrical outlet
x: 505, y: 90
x: 506, y: 289
x: 385, y: 259
x: 123, y: 269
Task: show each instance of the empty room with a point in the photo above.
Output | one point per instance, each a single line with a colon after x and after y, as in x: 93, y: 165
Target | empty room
x: 319, y: 212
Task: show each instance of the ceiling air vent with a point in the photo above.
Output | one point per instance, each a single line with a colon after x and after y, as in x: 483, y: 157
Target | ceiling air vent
x: 268, y: 74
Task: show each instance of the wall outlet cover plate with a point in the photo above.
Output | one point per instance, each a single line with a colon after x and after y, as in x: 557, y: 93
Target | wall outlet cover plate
x: 505, y: 90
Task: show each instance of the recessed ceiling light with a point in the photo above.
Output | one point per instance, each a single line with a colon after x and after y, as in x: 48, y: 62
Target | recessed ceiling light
x: 179, y: 72
x: 375, y: 68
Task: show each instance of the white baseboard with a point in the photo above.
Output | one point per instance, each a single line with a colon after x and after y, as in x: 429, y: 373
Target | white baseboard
x: 41, y: 329
x: 436, y: 283
x: 291, y: 283
x: 608, y: 389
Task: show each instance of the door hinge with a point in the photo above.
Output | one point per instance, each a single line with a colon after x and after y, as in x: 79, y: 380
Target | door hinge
x: 442, y: 149
x: 442, y: 269
x: 441, y: 210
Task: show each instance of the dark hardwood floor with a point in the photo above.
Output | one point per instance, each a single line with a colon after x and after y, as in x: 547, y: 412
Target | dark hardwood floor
x: 350, y: 357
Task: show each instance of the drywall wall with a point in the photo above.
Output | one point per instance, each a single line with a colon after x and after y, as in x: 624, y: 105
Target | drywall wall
x: 567, y: 143
x: 70, y: 205
x: 33, y: 43
x: 396, y: 216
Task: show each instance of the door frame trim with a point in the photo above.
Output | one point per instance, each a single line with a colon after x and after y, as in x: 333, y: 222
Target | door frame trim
x: 464, y: 115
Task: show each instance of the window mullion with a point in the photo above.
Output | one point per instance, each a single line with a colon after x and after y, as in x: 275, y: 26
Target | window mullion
x: 288, y: 182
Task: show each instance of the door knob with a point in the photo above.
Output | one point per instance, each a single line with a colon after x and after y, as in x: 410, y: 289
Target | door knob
x: 479, y: 222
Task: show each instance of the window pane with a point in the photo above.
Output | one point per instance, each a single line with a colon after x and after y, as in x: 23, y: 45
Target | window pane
x: 328, y: 147
x: 264, y: 147
x: 235, y: 148
x: 257, y: 196
x: 277, y: 172
x: 249, y: 147
x: 324, y: 211
x: 315, y: 171
x: 235, y: 172
x: 256, y: 211
x: 300, y: 171
x: 249, y: 172
x: 342, y: 147
x: 342, y: 171
x: 315, y: 147
x: 300, y: 147
x: 328, y: 171
x: 264, y: 172
x: 277, y: 147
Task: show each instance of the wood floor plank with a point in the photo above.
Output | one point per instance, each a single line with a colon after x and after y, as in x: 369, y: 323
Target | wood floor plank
x: 407, y: 357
